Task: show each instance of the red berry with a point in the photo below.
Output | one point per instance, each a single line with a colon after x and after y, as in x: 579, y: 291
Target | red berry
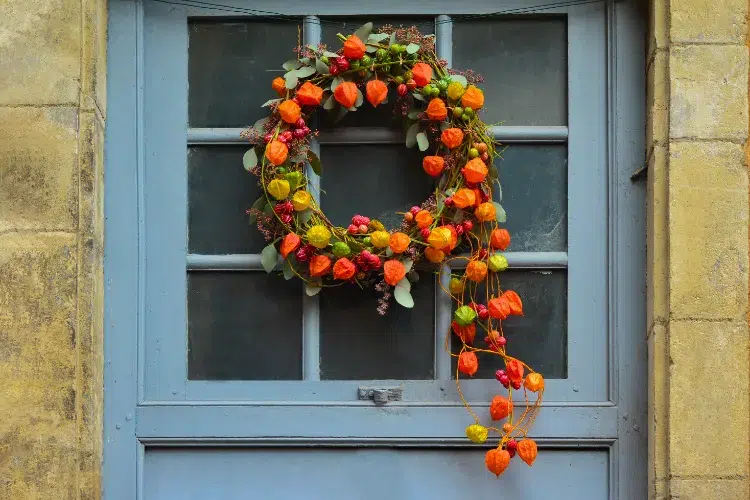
x: 282, y: 139
x: 512, y: 453
x: 279, y: 208
x: 300, y: 123
x: 352, y: 229
x: 425, y: 233
x: 302, y: 255
x: 484, y: 314
x: 342, y: 63
x: 268, y: 137
x: 504, y: 379
x: 408, y: 216
x: 286, y: 218
x: 473, y: 306
x: 449, y: 201
x: 500, y: 373
x: 299, y: 133
x: 516, y: 384
x: 459, y: 230
x: 414, y: 210
x: 484, y: 196
x: 306, y: 130
x: 511, y: 445
x: 502, y: 341
x: 467, y: 225
x: 362, y: 228
x: 411, y: 84
x: 402, y: 89
x: 483, y: 254
x: 296, y: 101
x: 485, y: 157
x: 333, y: 69
x: 287, y: 134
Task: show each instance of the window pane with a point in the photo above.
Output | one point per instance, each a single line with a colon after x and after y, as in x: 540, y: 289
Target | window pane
x: 535, y: 197
x: 244, y: 326
x: 540, y: 336
x: 376, y: 181
x: 524, y: 65
x: 230, y: 68
x: 220, y: 191
x: 367, y: 116
x: 357, y: 343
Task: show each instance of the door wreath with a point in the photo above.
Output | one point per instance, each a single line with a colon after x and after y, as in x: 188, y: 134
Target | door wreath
x: 459, y: 222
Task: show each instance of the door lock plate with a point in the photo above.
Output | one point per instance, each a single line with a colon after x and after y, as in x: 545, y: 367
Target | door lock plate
x: 381, y: 395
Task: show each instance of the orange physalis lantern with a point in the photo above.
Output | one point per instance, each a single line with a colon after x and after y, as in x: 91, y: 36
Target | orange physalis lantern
x: 422, y: 74
x: 399, y: 242
x: 354, y: 48
x: 436, y: 110
x: 500, y: 408
x: 279, y: 85
x: 475, y: 171
x: 500, y: 239
x: 514, y: 301
x: 454, y: 238
x: 473, y: 98
x: 514, y: 369
x: 319, y: 265
x: 276, y: 152
x: 468, y: 363
x: 289, y: 111
x: 527, y: 451
x: 434, y: 255
x: 464, y: 197
x: 499, y: 307
x: 476, y: 271
x: 497, y: 461
x: 346, y: 94
x: 440, y: 238
x: 433, y: 165
x: 289, y: 244
x: 344, y: 269
x: 377, y: 91
x: 485, y: 212
x: 423, y: 218
x: 452, y: 137
x: 393, y: 271
x: 309, y: 94
x: 534, y: 382
x: 465, y: 333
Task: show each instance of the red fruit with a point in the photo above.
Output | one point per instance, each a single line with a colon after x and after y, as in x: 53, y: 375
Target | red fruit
x: 287, y: 134
x: 306, y: 130
x: 484, y: 314
x: 333, y: 69
x: 474, y: 306
x: 299, y: 133
x: 502, y: 341
x: 511, y: 445
x: 414, y: 210
x: 411, y: 84
x: 483, y: 254
x: 302, y: 255
x: 484, y: 196
x: 352, y: 229
x: 300, y: 123
x: 485, y: 157
x: 342, y: 63
x: 296, y: 101
x: 286, y: 218
x: 282, y: 139
x: 363, y: 228
x: 408, y: 216
x: 503, y: 379
x: 516, y: 384
x: 467, y: 225
x: 449, y: 201
x: 425, y: 233
x: 402, y: 90
x: 279, y: 208
x: 268, y: 137
x: 459, y: 230
x: 499, y: 373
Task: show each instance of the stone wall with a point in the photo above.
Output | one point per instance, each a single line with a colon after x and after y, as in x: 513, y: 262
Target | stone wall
x: 698, y: 249
x: 52, y: 110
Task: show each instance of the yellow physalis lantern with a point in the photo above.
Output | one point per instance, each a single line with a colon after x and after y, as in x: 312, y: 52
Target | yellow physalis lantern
x: 301, y: 200
x: 278, y: 188
x: 477, y: 433
x: 380, y: 239
x: 439, y: 238
x: 318, y: 236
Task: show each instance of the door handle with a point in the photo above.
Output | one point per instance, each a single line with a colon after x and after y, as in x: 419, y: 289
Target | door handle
x: 380, y: 395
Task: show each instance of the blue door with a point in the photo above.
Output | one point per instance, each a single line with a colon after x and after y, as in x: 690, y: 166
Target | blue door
x: 225, y: 382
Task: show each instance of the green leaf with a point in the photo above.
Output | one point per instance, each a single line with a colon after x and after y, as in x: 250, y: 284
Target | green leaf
x: 364, y: 31
x: 422, y: 141
x: 393, y: 39
x: 250, y: 159
x: 268, y: 257
x: 290, y: 80
x: 269, y: 102
x: 419, y: 97
x: 336, y: 82
x: 330, y: 54
x: 330, y: 103
x: 260, y: 124
x: 287, y: 269
x: 388, y: 252
x: 291, y: 64
x: 321, y: 67
x: 499, y: 192
x: 444, y: 126
x: 408, y: 263
x: 268, y: 209
x: 304, y: 216
x: 314, y: 162
x: 460, y: 79
x: 314, y: 288
x: 500, y: 214
x: 258, y: 205
x: 305, y: 71
x: 493, y: 172
x: 458, y: 216
x: 412, y: 48
x: 370, y: 49
x: 377, y: 37
x: 411, y: 135
x: 402, y: 294
x: 414, y: 114
x: 360, y: 99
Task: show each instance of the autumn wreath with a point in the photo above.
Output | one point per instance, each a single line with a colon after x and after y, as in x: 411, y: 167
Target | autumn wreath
x: 458, y: 222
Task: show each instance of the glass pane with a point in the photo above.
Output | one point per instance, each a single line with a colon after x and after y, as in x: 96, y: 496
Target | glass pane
x: 540, y: 336
x: 230, y: 68
x: 376, y: 181
x: 220, y: 191
x: 357, y: 343
x: 524, y: 65
x: 244, y: 326
x: 535, y: 196
x: 367, y: 116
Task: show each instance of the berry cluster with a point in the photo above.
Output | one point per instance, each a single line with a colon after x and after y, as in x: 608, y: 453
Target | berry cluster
x: 367, y: 261
x: 359, y: 225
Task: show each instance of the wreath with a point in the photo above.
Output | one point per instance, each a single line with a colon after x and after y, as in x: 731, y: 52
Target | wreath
x: 458, y: 222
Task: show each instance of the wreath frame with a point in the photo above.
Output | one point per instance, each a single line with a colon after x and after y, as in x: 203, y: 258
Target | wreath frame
x: 441, y: 109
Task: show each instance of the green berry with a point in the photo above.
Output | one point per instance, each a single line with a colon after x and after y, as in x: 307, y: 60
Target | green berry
x: 365, y: 61
x: 465, y: 117
x: 468, y: 111
x: 354, y: 64
x: 473, y: 153
x: 442, y: 85
x: 408, y: 75
x: 458, y: 111
x: 394, y: 48
x: 324, y: 60
x: 380, y: 54
x: 281, y: 170
x: 399, y: 79
x: 366, y: 240
x: 435, y: 91
x: 427, y: 90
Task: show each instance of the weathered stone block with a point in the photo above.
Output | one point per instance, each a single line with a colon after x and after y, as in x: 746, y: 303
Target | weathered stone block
x: 708, y: 395
x: 94, y: 56
x: 38, y: 168
x: 715, y: 21
x: 708, y: 230
x: 657, y: 245
x: 40, y: 51
x: 709, y: 489
x: 658, y: 403
x: 37, y: 366
x: 708, y: 92
x: 658, y: 29
x: 657, y: 100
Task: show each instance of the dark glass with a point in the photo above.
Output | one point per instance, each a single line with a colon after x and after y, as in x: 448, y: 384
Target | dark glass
x: 524, y: 64
x: 230, y: 68
x: 377, y: 181
x: 535, y: 197
x: 220, y: 191
x: 539, y: 337
x: 357, y: 343
x: 244, y: 326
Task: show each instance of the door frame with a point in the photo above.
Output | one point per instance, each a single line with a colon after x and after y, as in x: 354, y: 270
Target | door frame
x: 124, y: 449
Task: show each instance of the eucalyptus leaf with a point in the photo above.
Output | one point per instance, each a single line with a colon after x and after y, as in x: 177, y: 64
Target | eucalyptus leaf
x: 500, y: 212
x: 260, y: 124
x: 258, y: 205
x: 388, y: 252
x: 403, y: 297
x: 419, y: 97
x: 370, y: 49
x: 330, y: 103
x: 290, y: 80
x: 305, y: 71
x: 412, y: 48
x: 408, y: 263
x: 364, y: 31
x: 494, y: 174
x: 414, y: 114
x: 291, y: 64
x: 304, y: 216
x: 312, y: 289
x: 393, y: 39
x: 377, y: 37
x: 360, y: 98
x: 336, y: 82
x: 460, y: 79
x: 269, y: 102
x: 411, y: 135
x: 499, y: 191
x: 314, y: 162
x: 404, y: 283
x: 321, y: 67
x: 250, y: 159
x: 422, y: 141
x: 330, y: 54
x: 444, y: 126
x: 287, y: 269
x: 458, y: 216
x: 268, y: 257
